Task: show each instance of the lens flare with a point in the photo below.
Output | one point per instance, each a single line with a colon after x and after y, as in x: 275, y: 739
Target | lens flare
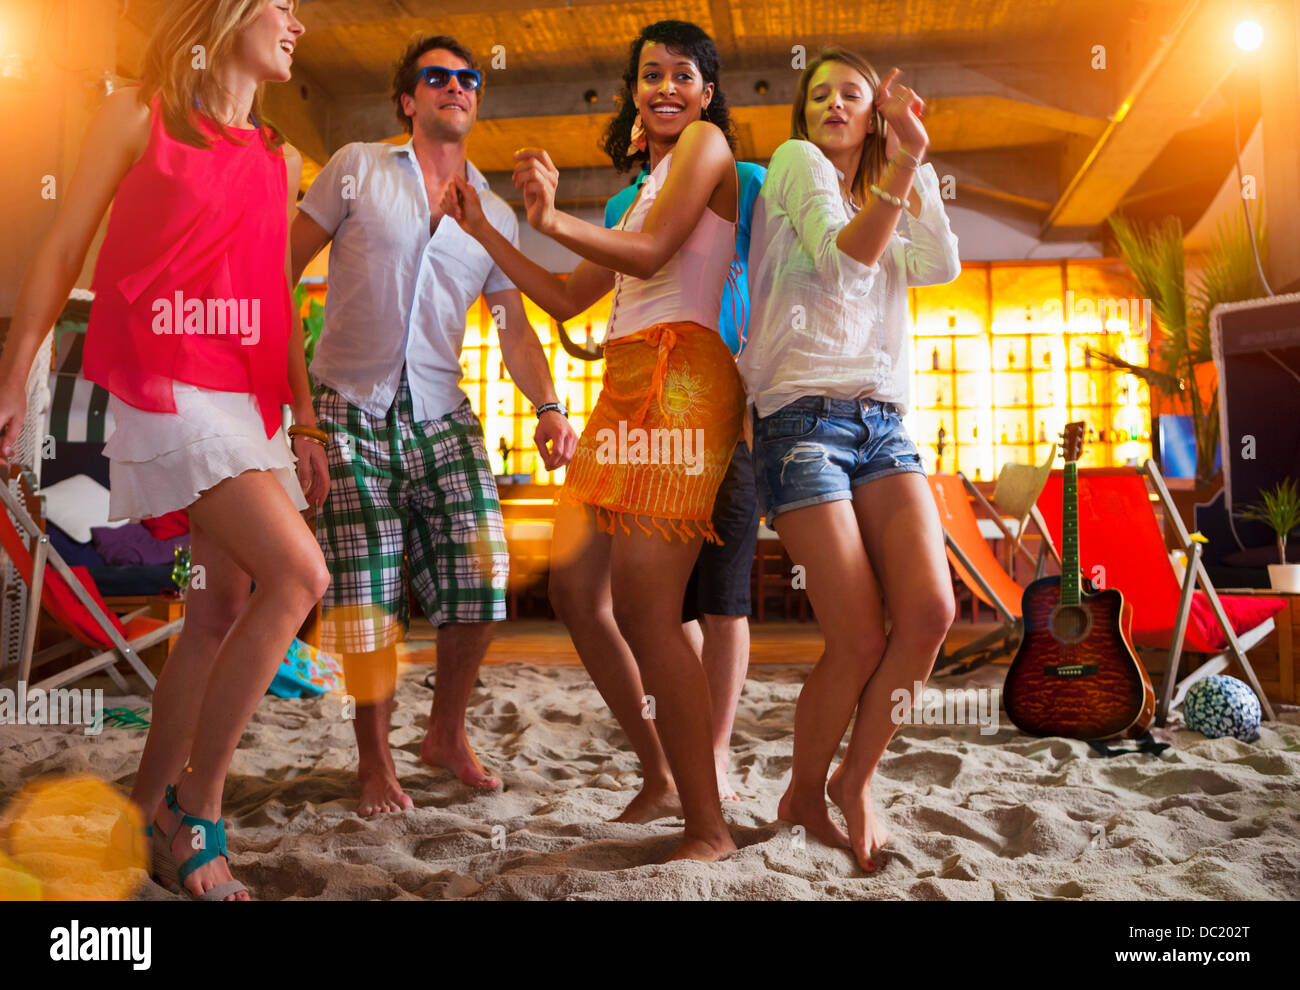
x: 71, y: 838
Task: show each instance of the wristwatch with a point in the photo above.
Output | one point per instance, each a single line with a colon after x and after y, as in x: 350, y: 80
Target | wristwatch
x: 546, y: 407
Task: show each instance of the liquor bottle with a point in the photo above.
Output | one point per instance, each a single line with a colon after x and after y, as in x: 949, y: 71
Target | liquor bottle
x: 1047, y: 359
x: 1042, y: 432
x: 934, y: 359
x: 1004, y: 435
x: 181, y: 567
x: 1020, y: 434
x: 1011, y: 357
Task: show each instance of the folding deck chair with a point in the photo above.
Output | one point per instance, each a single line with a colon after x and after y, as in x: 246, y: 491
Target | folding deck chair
x: 978, y: 569
x: 69, y: 596
x: 1016, y: 495
x: 1121, y: 543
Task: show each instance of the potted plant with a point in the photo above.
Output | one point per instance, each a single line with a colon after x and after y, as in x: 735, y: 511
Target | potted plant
x: 1281, y: 511
x: 1154, y: 255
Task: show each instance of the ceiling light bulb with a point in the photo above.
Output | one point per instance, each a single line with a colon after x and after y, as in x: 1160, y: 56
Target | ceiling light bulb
x: 1248, y: 35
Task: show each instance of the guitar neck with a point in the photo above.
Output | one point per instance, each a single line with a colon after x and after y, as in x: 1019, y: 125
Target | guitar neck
x: 1070, y: 535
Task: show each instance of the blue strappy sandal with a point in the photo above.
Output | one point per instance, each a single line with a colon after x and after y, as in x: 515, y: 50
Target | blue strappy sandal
x: 214, y: 844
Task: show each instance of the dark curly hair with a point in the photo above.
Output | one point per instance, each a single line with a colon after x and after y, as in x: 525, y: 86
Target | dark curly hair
x: 407, y: 71
x: 680, y: 38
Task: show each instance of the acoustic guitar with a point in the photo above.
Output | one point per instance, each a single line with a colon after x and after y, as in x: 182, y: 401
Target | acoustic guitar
x: 1076, y: 673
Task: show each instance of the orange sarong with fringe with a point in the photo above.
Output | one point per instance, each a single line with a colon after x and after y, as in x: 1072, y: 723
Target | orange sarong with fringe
x: 663, y: 431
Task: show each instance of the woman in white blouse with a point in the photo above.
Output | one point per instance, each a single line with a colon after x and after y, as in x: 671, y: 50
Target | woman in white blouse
x: 826, y: 370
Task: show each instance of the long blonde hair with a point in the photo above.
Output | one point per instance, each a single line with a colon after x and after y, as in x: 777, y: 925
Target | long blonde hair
x: 189, y: 39
x: 873, y: 161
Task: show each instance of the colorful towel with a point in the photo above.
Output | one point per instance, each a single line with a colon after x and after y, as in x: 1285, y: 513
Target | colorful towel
x: 306, y: 672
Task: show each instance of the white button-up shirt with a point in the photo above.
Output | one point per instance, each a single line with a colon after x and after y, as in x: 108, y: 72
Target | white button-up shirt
x: 823, y: 323
x: 396, y: 295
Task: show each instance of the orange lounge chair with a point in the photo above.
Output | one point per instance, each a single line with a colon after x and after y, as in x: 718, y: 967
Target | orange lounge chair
x: 69, y: 596
x: 1121, y: 546
x: 978, y: 569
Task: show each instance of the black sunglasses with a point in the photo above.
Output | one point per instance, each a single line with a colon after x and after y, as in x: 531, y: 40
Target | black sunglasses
x: 437, y: 76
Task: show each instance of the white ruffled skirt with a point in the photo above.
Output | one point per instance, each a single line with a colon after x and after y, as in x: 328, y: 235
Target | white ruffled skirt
x: 161, y: 462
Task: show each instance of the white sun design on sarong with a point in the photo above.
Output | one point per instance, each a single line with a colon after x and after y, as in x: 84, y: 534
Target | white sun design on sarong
x: 682, y: 393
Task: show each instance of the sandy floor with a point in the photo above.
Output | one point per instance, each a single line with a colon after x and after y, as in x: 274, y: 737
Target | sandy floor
x: 972, y: 816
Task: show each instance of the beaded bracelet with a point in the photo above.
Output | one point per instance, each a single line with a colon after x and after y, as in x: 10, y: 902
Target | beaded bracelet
x: 889, y: 198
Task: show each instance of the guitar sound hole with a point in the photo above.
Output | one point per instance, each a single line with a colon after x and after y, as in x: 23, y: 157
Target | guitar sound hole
x: 1070, y: 623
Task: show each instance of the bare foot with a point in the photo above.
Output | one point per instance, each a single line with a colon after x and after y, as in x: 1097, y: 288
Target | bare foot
x: 381, y: 793
x: 460, y: 760
x: 652, y: 802
x: 815, y: 817
x: 703, y: 850
x: 210, y: 874
x: 866, y: 831
x: 725, y: 790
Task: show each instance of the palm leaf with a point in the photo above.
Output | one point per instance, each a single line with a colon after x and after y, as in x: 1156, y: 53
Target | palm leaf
x: 1163, y: 381
x: 1229, y: 275
x: 1154, y: 255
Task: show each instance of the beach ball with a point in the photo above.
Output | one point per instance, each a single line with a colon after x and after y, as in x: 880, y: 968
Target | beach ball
x: 1222, y: 706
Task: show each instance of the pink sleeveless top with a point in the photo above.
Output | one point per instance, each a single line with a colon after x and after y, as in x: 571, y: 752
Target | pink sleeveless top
x: 689, y: 286
x: 190, y: 283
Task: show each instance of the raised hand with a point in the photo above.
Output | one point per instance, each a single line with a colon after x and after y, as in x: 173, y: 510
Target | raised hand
x: 460, y: 202
x: 13, y: 410
x: 902, y: 110
x: 538, y: 177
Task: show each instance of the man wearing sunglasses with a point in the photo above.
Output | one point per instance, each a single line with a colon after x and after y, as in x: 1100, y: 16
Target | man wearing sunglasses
x: 400, y: 464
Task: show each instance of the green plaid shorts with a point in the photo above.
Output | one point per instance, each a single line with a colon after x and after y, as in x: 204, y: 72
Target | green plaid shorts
x: 400, y: 487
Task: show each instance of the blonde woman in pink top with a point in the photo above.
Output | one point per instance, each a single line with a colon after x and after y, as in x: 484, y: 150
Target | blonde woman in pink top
x: 192, y: 334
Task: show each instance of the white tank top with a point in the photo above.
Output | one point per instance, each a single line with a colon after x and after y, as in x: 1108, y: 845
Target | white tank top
x: 689, y: 286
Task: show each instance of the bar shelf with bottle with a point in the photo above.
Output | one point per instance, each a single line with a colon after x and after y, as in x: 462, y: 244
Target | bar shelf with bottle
x: 1000, y: 369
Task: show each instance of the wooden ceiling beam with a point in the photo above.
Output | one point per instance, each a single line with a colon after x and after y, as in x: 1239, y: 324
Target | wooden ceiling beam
x: 1195, y: 57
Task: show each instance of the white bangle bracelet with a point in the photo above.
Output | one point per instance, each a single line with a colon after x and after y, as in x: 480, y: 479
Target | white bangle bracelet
x: 889, y: 198
x: 916, y: 161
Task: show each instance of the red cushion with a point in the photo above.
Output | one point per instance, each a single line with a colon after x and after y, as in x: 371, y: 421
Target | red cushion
x: 56, y: 596
x: 1121, y: 546
x: 168, y: 527
x: 74, y: 616
x: 1244, y: 612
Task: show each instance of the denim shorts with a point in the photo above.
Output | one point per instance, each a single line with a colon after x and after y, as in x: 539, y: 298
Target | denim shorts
x: 817, y: 449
